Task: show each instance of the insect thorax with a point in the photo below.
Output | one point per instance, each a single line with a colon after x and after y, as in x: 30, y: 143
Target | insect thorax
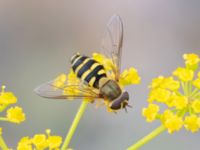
x: 88, y: 70
x: 109, y: 89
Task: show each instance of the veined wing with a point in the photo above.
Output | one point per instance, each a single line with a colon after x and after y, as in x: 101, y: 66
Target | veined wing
x: 112, y: 43
x: 77, y: 91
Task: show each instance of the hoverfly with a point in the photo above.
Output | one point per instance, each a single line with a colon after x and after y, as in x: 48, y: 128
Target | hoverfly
x: 95, y: 84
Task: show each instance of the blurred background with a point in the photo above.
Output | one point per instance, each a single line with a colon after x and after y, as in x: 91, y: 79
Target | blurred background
x: 38, y: 38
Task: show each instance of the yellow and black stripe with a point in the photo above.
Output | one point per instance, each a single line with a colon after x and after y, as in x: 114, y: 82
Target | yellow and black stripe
x: 87, y: 69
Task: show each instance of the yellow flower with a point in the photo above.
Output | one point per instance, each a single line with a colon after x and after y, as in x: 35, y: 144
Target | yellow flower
x: 98, y: 57
x: 15, y: 114
x: 170, y: 83
x: 156, y: 82
x: 192, y: 123
x: 24, y: 144
x: 159, y: 95
x: 7, y: 98
x: 166, y: 114
x: 191, y: 60
x: 184, y: 74
x: 60, y: 80
x: 180, y: 102
x: 40, y: 141
x: 150, y: 112
x: 196, y: 83
x: 54, y: 141
x: 106, y: 62
x: 165, y: 83
x: 173, y: 123
x: 0, y: 131
x: 196, y: 106
x: 129, y: 77
x: 72, y: 78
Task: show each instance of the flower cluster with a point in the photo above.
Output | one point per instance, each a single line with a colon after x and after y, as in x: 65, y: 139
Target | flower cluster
x: 40, y: 142
x: 181, y: 95
x: 13, y: 114
x: 127, y: 77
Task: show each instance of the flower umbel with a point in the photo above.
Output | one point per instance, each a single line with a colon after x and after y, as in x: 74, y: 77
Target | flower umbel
x: 182, y: 102
x: 40, y: 142
x: 13, y: 114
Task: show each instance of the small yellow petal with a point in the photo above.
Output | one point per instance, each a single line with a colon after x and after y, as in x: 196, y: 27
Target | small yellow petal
x: 24, y: 144
x: 191, y: 123
x: 150, y: 112
x: 129, y: 77
x: 98, y: 57
x: 15, y: 114
x: 103, y: 60
x: 170, y: 83
x: 60, y: 81
x: 191, y: 59
x: 40, y: 141
x: 196, y: 106
x: 184, y: 74
x: 54, y: 141
x: 196, y: 83
x: 7, y: 98
x: 166, y: 115
x: 156, y: 82
x: 180, y: 102
x: 159, y: 95
x: 173, y: 123
x: 72, y: 78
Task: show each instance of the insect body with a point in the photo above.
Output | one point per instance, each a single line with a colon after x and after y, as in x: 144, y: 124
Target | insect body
x: 88, y: 69
x: 93, y: 74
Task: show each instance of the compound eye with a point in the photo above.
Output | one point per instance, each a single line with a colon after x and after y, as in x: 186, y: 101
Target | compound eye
x: 115, y: 105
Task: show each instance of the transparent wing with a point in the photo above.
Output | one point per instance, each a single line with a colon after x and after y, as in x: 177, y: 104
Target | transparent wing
x: 112, y: 43
x: 79, y: 91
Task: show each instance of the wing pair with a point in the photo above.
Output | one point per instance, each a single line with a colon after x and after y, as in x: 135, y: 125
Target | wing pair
x: 111, y: 48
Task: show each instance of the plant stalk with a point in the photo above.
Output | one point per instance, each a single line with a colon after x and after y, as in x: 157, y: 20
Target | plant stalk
x: 3, y: 144
x: 74, y: 125
x: 147, y: 138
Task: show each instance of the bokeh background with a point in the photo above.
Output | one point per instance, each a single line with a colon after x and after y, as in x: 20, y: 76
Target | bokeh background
x: 38, y: 37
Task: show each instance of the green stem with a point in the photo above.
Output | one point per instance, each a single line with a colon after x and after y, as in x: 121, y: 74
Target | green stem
x: 196, y: 95
x: 194, y: 92
x: 190, y: 88
x: 186, y: 89
x: 3, y: 107
x: 147, y: 138
x: 3, y: 144
x: 3, y: 119
x: 74, y: 125
x: 183, y: 87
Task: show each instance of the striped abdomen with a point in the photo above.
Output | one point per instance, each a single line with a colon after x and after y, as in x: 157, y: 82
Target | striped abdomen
x: 88, y: 69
